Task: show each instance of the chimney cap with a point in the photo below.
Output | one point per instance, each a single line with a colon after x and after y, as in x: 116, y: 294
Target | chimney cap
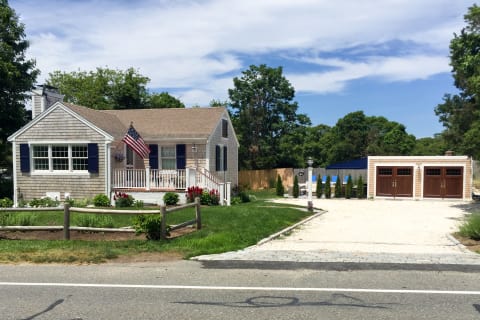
x: 449, y: 153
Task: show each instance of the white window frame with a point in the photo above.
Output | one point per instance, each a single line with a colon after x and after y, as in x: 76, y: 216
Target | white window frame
x: 161, y: 158
x: 50, y: 158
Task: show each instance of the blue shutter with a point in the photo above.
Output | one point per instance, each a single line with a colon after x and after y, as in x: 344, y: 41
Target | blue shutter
x: 24, y: 157
x: 93, y: 158
x: 181, y: 156
x: 153, y: 156
x: 217, y: 158
x: 225, y: 158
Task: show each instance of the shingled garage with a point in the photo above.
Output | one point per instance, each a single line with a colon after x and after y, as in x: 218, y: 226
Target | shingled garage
x: 420, y: 177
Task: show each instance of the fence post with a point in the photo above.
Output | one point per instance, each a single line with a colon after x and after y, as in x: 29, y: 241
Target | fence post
x: 163, y: 222
x: 66, y: 221
x: 198, y: 215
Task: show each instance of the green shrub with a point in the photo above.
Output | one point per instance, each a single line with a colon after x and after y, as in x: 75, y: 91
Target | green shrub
x: 244, y: 197
x: 138, y: 204
x: 6, y: 203
x: 360, y: 193
x: 43, y: 203
x: 6, y: 188
x: 349, y: 187
x: 235, y: 200
x: 150, y: 225
x: 280, y: 190
x: 101, y: 200
x: 296, y: 188
x: 205, y: 198
x: 338, y: 188
x: 319, y: 189
x: 214, y: 197
x: 328, y: 188
x: 20, y: 219
x: 4, y: 217
x: 471, y: 228
x: 123, y: 200
x: 93, y: 221
x: 170, y: 198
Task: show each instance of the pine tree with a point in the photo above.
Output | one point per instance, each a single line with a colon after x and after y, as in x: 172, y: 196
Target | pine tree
x: 296, y: 189
x: 328, y: 188
x: 319, y: 189
x: 280, y: 190
x: 338, y: 188
x: 360, y: 194
x: 349, y: 187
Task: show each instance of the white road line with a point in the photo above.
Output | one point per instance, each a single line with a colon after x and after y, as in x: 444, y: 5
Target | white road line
x: 220, y: 288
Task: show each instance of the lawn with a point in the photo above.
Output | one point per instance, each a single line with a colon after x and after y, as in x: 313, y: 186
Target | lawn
x: 224, y: 229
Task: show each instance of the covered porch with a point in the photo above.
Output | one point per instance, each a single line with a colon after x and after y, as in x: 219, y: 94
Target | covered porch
x: 157, y: 180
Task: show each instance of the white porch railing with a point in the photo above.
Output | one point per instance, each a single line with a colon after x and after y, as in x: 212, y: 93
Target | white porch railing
x: 155, y: 179
x: 148, y: 179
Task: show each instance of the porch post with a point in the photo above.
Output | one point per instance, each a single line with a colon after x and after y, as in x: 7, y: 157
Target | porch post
x: 190, y: 177
x: 222, y: 193
x: 147, y: 177
x: 228, y: 192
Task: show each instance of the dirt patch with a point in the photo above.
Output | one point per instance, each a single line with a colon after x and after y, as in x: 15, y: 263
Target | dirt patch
x: 148, y: 257
x: 470, y: 244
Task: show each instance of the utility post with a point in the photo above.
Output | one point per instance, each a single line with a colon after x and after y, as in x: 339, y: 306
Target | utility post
x: 309, y: 184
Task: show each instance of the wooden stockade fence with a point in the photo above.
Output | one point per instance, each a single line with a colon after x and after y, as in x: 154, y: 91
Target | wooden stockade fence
x: 67, y: 210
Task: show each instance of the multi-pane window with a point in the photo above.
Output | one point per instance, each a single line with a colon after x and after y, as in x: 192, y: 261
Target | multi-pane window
x: 168, y: 157
x: 60, y: 157
x: 224, y: 128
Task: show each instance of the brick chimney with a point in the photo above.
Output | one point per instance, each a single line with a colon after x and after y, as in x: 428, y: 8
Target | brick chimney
x: 43, y: 97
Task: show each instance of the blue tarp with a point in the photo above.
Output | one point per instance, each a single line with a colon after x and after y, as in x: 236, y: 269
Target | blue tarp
x: 361, y: 163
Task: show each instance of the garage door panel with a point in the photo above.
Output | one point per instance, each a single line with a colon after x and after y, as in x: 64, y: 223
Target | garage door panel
x: 443, y: 182
x: 394, y: 181
x: 404, y: 182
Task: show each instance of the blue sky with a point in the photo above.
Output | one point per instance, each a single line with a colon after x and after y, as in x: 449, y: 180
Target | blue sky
x: 388, y: 58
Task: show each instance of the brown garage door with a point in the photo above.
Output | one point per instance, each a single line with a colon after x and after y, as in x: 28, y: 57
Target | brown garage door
x: 394, y: 181
x: 443, y: 182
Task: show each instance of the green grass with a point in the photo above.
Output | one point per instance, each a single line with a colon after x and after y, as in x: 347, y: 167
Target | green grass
x: 224, y: 229
x: 471, y: 228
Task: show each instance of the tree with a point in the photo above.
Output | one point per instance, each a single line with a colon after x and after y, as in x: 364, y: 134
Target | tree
x: 338, y: 188
x: 360, y: 193
x: 328, y: 188
x: 319, y: 188
x: 296, y: 188
x: 163, y: 100
x: 263, y: 113
x: 349, y: 187
x: 102, y: 89
x: 280, y: 190
x: 460, y: 113
x: 429, y: 146
x: 17, y: 77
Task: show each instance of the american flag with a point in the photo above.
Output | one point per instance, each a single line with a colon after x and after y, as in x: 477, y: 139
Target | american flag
x: 135, y: 141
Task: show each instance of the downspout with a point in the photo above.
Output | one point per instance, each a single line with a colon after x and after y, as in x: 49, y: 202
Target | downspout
x: 107, y: 170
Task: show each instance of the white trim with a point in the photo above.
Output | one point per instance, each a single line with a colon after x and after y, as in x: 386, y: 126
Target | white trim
x: 107, y: 168
x: 15, y: 191
x: 59, y: 173
x: 50, y: 170
x: 60, y: 105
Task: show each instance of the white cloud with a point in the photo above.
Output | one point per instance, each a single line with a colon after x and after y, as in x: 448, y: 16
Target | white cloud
x: 190, y: 44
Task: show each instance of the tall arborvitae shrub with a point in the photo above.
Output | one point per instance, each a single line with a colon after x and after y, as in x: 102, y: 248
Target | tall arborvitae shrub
x: 296, y: 189
x: 349, y: 187
x: 328, y: 188
x: 319, y: 188
x: 280, y: 190
x: 338, y: 188
x: 360, y: 194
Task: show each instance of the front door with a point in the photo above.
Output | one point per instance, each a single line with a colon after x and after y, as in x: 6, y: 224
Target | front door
x: 394, y: 182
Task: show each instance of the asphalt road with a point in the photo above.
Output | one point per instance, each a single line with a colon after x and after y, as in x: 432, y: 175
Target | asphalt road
x: 190, y: 290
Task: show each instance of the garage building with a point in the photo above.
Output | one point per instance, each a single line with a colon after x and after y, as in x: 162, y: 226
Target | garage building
x: 420, y: 177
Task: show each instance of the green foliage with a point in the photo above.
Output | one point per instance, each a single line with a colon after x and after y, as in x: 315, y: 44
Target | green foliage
x: 471, y: 228
x: 338, y: 187
x: 163, y: 100
x: 244, y: 197
x: 263, y: 113
x: 235, y: 201
x: 150, y: 225
x: 349, y: 187
x: 319, y: 188
x: 80, y: 203
x: 170, y: 198
x: 17, y: 77
x: 6, y: 203
x: 328, y: 187
x: 360, y: 191
x: 194, y: 192
x: 43, y: 203
x: 138, y: 204
x: 93, y: 221
x: 429, y: 146
x: 210, y: 198
x: 21, y: 219
x: 280, y: 190
x: 296, y: 188
x: 101, y: 200
x: 6, y: 185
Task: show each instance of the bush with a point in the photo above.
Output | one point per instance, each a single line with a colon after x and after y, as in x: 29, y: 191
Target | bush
x: 150, y: 225
x: 93, y: 221
x: 6, y: 203
x: 319, y: 189
x: 280, y: 190
x: 360, y: 193
x: 138, y: 204
x: 21, y: 219
x: 6, y: 188
x: 101, y: 200
x: 123, y: 200
x: 235, y: 200
x: 328, y: 188
x: 296, y: 189
x: 338, y: 188
x: 214, y: 197
x: 471, y: 228
x: 170, y: 198
x: 244, y: 197
x: 349, y: 187
x: 43, y: 203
